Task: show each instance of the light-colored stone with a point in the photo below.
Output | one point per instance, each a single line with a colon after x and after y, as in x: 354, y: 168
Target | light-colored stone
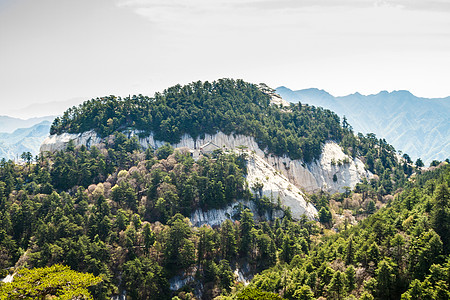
x: 215, y: 217
x: 275, y: 185
x: 280, y: 176
x: 59, y: 142
x: 318, y: 175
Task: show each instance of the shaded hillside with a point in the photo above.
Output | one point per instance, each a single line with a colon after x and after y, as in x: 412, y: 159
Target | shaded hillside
x: 115, y: 213
x: 232, y: 107
x: 417, y: 126
x: 119, y: 212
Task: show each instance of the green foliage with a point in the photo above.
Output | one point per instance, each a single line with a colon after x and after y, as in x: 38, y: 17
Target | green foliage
x: 325, y: 216
x: 440, y: 215
x: 304, y: 293
x: 371, y: 207
x: 164, y: 151
x: 435, y: 286
x: 255, y: 294
x: 230, y: 106
x: 246, y: 232
x: 144, y: 279
x: 57, y: 280
x: 179, y: 248
x: 226, y: 276
x: 119, y: 212
x: 337, y: 285
x: 396, y: 249
x: 419, y: 163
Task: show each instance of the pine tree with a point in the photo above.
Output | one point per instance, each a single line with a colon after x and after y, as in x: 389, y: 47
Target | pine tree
x: 440, y: 215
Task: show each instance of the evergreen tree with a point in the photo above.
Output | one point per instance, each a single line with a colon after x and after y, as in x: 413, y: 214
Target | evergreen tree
x: 440, y: 215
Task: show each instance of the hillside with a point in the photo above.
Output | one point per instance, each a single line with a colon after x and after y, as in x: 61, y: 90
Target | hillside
x: 193, y: 192
x: 203, y: 108
x: 231, y: 114
x: 417, y: 126
x: 402, y: 251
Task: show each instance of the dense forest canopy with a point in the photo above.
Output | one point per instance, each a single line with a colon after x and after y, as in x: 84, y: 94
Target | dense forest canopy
x: 233, y: 106
x: 121, y: 213
x: 230, y: 106
x: 402, y: 251
x: 116, y: 214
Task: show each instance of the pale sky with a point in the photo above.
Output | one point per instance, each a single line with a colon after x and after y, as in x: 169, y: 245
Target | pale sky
x: 55, y: 50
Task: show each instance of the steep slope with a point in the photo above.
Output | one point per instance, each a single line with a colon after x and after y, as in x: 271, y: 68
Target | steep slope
x: 128, y: 208
x: 401, y: 251
x: 311, y: 177
x: 309, y: 166
x: 417, y: 126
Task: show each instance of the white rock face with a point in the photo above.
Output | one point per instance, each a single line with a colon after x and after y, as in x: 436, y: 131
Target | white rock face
x: 215, y: 217
x: 8, y: 278
x: 276, y: 99
x: 178, y: 282
x: 59, y: 142
x: 319, y: 174
x: 280, y: 176
x: 275, y: 185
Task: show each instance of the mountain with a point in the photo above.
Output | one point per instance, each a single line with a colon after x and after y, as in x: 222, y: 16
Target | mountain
x: 417, y: 126
x: 53, y: 108
x: 182, y: 195
x: 12, y: 145
x: 229, y: 114
x: 9, y: 124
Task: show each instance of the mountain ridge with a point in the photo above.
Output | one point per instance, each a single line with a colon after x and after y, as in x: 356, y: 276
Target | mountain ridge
x: 12, y: 145
x: 9, y: 124
x: 113, y: 197
x: 398, y: 116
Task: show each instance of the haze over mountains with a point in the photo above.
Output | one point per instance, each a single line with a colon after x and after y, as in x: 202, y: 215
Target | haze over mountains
x: 10, y: 124
x: 12, y: 145
x: 44, y: 110
x: 417, y: 126
x: 24, y: 129
x: 414, y: 125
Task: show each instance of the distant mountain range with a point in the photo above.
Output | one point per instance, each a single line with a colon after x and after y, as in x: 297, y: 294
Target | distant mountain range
x: 9, y: 124
x: 417, y: 126
x: 18, y: 135
x: 54, y: 108
x: 13, y: 144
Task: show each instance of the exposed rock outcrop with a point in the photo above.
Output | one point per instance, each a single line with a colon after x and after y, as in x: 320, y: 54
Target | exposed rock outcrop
x: 215, y: 217
x: 275, y: 186
x: 59, y: 142
x: 280, y: 176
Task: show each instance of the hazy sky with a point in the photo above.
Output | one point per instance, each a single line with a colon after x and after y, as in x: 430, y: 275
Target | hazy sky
x: 55, y: 50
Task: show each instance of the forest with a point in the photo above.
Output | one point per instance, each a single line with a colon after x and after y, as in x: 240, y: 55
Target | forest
x: 230, y: 106
x: 116, y: 218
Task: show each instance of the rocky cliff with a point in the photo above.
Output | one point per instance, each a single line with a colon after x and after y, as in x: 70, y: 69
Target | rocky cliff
x: 279, y: 176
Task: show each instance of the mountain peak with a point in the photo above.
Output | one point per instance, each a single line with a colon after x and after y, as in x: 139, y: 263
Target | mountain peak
x: 403, y: 93
x: 316, y: 91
